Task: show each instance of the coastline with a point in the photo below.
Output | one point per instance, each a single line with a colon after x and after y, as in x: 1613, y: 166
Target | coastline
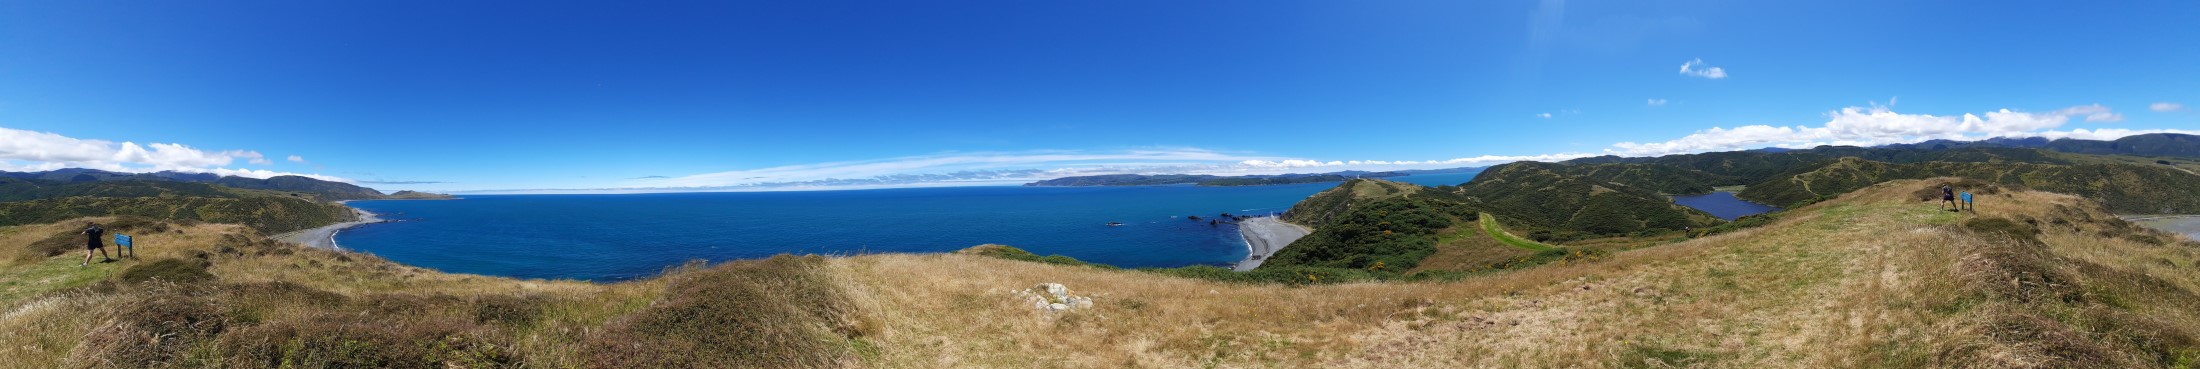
x: 325, y: 236
x: 1263, y: 237
x: 2184, y: 224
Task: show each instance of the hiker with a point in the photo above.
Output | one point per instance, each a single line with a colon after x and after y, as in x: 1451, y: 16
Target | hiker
x: 92, y: 231
x: 1967, y: 202
x: 1947, y: 197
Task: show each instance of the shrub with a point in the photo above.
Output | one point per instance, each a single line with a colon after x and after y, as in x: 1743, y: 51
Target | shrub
x: 153, y: 327
x: 509, y: 310
x: 1013, y: 253
x: 1295, y: 275
x: 167, y: 269
x: 339, y: 340
x: 778, y: 312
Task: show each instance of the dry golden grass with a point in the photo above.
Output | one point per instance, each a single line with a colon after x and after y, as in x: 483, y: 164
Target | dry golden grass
x: 265, y: 286
x: 1872, y: 279
x: 1869, y: 280
x: 1466, y: 248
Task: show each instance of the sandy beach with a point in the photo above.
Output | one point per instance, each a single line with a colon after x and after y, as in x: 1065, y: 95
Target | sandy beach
x: 325, y: 236
x: 1265, y: 235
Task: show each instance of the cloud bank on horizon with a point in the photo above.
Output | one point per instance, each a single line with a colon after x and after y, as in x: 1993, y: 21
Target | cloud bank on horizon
x: 1852, y: 126
x: 31, y: 151
x: 1873, y: 125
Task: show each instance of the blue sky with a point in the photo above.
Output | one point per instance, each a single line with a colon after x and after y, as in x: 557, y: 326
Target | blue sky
x: 434, y: 95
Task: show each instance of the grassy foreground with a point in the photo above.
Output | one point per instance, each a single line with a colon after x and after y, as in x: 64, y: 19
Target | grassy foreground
x: 1870, y: 279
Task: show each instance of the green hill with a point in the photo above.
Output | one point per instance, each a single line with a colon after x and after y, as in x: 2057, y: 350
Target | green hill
x: 1547, y: 196
x: 1365, y: 224
x: 2124, y: 188
x: 2157, y: 144
x: 38, y: 201
x: 317, y: 189
x: 268, y: 214
x: 19, y: 189
x: 1324, y: 208
x: 325, y: 190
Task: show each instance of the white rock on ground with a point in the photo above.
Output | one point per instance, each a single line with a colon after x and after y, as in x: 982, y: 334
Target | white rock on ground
x: 1053, y: 298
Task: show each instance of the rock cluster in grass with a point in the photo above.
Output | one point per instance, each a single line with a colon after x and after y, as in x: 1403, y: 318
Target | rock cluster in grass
x: 1053, y: 298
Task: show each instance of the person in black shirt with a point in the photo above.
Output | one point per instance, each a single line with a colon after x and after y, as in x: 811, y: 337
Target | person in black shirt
x: 92, y: 231
x: 1948, y: 198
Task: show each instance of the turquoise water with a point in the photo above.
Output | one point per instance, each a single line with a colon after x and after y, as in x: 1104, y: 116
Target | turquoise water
x: 618, y: 237
x: 1723, y: 205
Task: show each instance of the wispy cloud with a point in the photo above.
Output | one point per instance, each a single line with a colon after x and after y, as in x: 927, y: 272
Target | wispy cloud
x: 1880, y: 125
x: 2092, y: 113
x: 398, y: 182
x: 1543, y: 115
x: 1657, y: 102
x: 1696, y: 68
x: 22, y: 150
x: 297, y: 159
x: 998, y: 168
x: 2166, y: 107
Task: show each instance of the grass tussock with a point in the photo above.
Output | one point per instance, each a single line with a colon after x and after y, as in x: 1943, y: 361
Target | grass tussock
x: 167, y: 269
x: 777, y: 312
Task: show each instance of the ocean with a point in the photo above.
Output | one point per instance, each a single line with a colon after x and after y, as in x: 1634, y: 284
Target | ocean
x: 620, y: 237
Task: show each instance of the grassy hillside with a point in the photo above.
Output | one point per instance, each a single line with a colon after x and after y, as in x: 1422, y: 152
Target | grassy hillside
x: 1324, y: 208
x: 2123, y: 188
x: 1548, y: 196
x: 324, y: 190
x: 303, y: 186
x: 21, y: 189
x: 1869, y: 279
x: 267, y: 214
x: 2157, y: 144
x: 416, y: 195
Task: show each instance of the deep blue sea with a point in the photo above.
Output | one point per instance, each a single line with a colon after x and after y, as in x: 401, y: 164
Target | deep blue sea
x: 1723, y: 205
x: 618, y: 237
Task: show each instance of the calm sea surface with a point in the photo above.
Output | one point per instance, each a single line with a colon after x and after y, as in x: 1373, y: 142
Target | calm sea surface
x: 617, y: 237
x: 2189, y: 226
x: 1723, y: 205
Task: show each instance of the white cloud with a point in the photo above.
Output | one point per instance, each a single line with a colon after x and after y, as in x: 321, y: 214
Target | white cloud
x: 1880, y: 125
x: 2166, y: 107
x: 1657, y: 102
x: 1543, y: 115
x: 2092, y: 113
x: 1697, y: 68
x: 1021, y: 167
x: 297, y: 159
x: 22, y: 150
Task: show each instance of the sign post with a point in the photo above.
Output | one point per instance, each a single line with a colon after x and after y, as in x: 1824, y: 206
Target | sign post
x: 124, y: 241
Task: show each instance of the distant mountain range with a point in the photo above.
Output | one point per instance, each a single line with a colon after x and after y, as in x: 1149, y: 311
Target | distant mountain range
x: 1245, y: 180
x: 2156, y: 144
x: 319, y: 189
